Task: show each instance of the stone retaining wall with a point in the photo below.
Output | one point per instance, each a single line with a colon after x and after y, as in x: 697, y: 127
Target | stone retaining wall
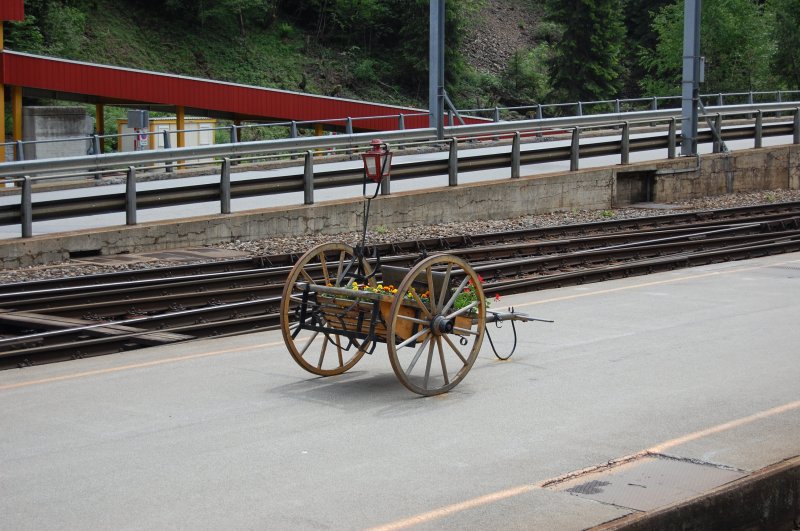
x: 596, y: 188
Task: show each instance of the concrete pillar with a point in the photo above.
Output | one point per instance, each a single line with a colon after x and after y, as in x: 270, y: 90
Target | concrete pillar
x: 180, y: 123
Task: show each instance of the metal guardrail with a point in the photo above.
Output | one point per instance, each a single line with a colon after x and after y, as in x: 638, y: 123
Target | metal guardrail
x: 100, y: 163
x: 306, y: 179
x: 654, y: 103
x: 580, y: 108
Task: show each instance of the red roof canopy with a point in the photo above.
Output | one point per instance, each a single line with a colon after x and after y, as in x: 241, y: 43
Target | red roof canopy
x: 61, y: 79
x: 12, y: 9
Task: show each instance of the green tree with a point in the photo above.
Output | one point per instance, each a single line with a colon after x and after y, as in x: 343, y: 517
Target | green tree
x: 735, y: 39
x: 588, y: 61
x: 786, y: 21
x: 526, y: 79
x: 638, y: 17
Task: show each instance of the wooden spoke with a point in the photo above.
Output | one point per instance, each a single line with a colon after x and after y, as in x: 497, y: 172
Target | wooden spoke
x: 446, y: 282
x: 456, y: 293
x: 324, y: 265
x: 431, y: 288
x: 455, y: 350
x: 422, y: 305
x: 441, y: 358
x: 417, y: 355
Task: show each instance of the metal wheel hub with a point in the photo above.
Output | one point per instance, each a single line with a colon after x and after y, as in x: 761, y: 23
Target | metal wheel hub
x: 441, y: 325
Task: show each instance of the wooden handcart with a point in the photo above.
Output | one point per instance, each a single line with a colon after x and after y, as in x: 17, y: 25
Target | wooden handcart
x: 432, y: 317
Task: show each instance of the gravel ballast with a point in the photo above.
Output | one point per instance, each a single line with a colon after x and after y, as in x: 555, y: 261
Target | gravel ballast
x: 300, y: 244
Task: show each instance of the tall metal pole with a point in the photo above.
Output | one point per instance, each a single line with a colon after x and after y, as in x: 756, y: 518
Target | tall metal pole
x: 691, y: 76
x: 436, y: 66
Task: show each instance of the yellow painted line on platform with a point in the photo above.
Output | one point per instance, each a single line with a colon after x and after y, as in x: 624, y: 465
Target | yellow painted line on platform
x: 724, y: 427
x: 487, y: 499
x: 136, y: 366
x: 654, y: 283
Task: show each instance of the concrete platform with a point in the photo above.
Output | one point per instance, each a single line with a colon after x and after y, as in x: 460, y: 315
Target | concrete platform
x: 695, y: 370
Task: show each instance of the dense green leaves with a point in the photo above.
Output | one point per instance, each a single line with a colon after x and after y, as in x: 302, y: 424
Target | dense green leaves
x: 588, y: 63
x: 378, y: 49
x: 785, y: 20
x: 735, y: 39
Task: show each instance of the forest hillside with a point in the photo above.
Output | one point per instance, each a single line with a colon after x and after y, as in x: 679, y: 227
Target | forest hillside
x: 499, y: 52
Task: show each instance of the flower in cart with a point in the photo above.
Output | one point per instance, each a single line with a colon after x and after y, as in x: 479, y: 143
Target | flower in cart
x: 468, y: 296
x: 387, y: 289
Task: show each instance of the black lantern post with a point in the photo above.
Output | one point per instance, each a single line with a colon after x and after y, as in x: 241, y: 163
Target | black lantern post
x: 377, y: 165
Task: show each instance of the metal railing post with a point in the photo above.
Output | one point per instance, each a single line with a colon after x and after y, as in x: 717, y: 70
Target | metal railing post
x: 26, y: 207
x: 719, y: 99
x: 515, y: 155
x: 348, y: 126
x: 452, y: 163
x: 654, y: 104
x: 20, y: 152
x: 616, y: 105
x: 796, y: 136
x: 130, y: 197
x: 96, y: 145
x: 626, y: 144
x: 401, y: 122
x: 386, y: 182
x: 580, y: 108
x: 234, y: 134
x: 671, y: 141
x: 293, y: 129
x: 167, y: 145
x: 308, y: 179
x: 717, y: 145
x: 225, y: 187
x: 574, y: 152
x: 497, y: 114
x: 539, y: 115
x: 757, y: 140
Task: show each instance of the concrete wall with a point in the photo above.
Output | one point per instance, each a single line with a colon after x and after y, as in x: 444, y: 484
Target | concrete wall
x: 45, y: 123
x: 763, y: 169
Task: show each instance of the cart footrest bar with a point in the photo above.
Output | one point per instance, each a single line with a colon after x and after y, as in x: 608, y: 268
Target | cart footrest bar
x: 493, y: 316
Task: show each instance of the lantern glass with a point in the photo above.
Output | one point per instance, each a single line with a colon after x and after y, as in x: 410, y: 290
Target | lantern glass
x: 372, y: 166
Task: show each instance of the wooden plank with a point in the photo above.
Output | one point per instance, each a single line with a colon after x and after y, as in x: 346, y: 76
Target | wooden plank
x: 57, y: 322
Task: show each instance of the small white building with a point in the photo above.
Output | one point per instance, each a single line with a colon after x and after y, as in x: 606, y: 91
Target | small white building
x: 198, y: 132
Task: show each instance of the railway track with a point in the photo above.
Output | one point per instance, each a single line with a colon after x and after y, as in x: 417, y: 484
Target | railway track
x: 61, y: 319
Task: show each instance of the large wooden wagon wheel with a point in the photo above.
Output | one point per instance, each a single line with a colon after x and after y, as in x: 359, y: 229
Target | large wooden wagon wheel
x: 321, y: 353
x: 429, y: 350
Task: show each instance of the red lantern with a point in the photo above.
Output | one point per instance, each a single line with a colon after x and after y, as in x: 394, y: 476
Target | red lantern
x: 377, y: 161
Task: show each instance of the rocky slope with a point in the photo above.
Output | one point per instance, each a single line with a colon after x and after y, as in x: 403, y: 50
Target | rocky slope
x: 501, y: 28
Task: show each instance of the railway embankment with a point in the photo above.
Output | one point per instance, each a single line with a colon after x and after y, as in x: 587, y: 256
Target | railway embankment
x: 772, y: 168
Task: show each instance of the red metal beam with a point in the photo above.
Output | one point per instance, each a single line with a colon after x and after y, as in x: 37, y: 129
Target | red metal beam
x: 12, y: 10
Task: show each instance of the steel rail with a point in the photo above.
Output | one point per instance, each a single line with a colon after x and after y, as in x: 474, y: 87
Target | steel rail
x: 157, y: 277
x: 640, y: 256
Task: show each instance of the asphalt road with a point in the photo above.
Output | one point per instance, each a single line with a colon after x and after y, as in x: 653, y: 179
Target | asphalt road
x: 700, y: 365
